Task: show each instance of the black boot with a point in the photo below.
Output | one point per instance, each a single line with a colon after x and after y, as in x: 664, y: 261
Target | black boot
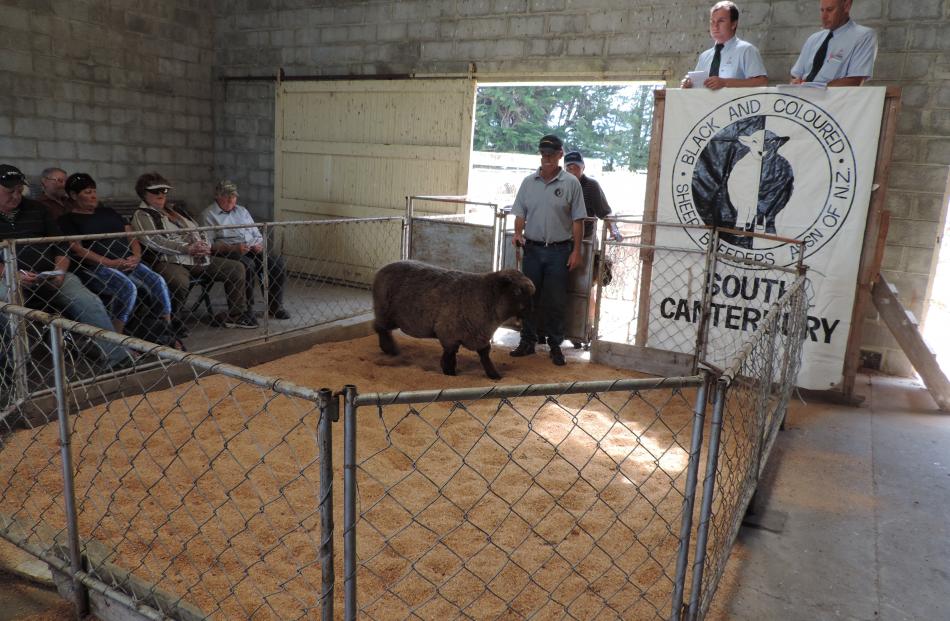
x: 524, y: 348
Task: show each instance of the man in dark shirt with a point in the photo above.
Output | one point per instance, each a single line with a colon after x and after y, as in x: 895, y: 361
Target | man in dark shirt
x: 54, y: 196
x: 43, y: 269
x: 594, y: 198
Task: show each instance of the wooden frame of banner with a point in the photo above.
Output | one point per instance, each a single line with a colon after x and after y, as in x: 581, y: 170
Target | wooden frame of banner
x: 872, y: 250
x: 875, y: 236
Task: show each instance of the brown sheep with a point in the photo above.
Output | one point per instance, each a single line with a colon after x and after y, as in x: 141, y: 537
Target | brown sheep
x: 458, y: 308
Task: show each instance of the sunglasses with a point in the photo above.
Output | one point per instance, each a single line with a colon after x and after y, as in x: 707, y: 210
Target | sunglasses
x: 158, y: 191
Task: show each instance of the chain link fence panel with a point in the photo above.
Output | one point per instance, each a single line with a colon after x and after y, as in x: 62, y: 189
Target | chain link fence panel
x: 304, y: 274
x: 561, y: 501
x: 194, y: 486
x: 750, y: 405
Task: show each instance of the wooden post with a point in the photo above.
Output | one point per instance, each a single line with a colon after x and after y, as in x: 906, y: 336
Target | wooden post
x: 872, y: 251
x: 650, y: 209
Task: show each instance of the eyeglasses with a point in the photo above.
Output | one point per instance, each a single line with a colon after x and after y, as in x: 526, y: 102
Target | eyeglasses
x: 158, y: 191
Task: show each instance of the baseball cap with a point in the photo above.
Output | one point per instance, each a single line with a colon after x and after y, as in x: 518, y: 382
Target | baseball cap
x: 550, y: 143
x: 158, y: 186
x: 11, y: 177
x: 77, y: 182
x: 573, y: 157
x: 225, y: 187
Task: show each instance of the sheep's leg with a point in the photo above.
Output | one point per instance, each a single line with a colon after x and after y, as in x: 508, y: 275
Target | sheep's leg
x: 448, y: 358
x: 386, y: 342
x: 490, y: 369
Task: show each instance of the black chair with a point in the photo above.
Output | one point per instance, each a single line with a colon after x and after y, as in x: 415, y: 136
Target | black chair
x: 204, y: 282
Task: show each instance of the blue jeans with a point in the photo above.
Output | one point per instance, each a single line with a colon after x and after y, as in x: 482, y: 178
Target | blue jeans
x: 546, y: 266
x: 75, y: 302
x: 122, y: 287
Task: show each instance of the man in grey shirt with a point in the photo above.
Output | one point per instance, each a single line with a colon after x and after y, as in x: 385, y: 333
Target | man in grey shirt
x: 245, y: 245
x: 549, y: 224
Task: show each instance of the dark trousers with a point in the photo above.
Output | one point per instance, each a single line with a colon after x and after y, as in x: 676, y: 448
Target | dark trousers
x: 253, y: 273
x: 546, y: 266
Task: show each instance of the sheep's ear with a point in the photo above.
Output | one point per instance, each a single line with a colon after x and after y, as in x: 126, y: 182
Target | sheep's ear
x: 780, y: 140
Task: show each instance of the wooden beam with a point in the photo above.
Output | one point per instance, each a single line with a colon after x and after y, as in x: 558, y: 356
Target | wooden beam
x: 869, y: 267
x: 903, y: 325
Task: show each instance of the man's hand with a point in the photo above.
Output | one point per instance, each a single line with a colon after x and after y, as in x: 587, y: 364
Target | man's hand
x: 797, y: 81
x: 518, y: 240
x: 574, y: 260
x: 714, y: 83
x: 686, y: 83
x: 28, y: 279
x: 257, y: 248
x: 199, y: 249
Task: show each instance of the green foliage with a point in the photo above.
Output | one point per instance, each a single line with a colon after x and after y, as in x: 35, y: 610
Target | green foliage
x: 611, y: 123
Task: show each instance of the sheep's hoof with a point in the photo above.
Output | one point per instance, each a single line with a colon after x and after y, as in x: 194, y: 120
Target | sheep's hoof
x: 494, y: 376
x: 448, y: 371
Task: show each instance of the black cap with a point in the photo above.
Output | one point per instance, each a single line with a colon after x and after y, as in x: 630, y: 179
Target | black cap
x: 11, y: 177
x: 77, y: 182
x: 573, y: 157
x: 550, y: 143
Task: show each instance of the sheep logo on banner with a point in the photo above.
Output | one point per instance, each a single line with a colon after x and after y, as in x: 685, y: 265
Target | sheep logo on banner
x: 737, y: 169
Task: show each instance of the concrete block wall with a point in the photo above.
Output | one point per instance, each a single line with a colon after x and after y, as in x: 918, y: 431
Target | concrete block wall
x: 114, y: 89
x: 656, y: 40
x: 119, y: 88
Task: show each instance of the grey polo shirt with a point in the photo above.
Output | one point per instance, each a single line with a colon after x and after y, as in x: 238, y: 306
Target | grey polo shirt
x: 549, y: 207
x: 851, y: 54
x: 738, y: 60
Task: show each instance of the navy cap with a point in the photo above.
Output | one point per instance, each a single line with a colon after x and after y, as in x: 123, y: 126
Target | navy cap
x: 573, y: 157
x: 11, y: 177
x: 77, y: 182
x: 550, y: 143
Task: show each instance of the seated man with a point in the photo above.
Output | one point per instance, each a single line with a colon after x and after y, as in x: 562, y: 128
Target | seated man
x: 54, y: 196
x: 245, y: 245
x: 43, y: 269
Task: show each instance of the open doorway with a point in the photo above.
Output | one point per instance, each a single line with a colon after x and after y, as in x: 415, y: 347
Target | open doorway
x: 609, y: 123
x: 936, y: 323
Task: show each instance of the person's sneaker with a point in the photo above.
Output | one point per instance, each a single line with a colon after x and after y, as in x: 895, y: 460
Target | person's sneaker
x: 245, y: 321
x: 524, y: 348
x: 280, y: 313
x: 557, y: 357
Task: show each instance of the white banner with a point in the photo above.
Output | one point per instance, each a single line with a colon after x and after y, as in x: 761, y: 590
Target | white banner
x: 796, y: 162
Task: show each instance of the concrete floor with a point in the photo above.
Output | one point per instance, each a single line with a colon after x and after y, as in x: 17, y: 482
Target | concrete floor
x: 856, y: 505
x: 861, y: 497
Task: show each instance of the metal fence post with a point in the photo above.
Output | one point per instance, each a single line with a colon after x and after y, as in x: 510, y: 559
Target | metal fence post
x: 80, y: 595
x: 17, y: 324
x: 407, y: 231
x: 329, y: 414
x: 695, y: 448
x: 349, y: 503
x: 265, y: 278
x: 709, y: 486
x: 702, y: 331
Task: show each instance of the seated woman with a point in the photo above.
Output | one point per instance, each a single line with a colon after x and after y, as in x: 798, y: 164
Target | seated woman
x: 112, y: 266
x: 181, y: 251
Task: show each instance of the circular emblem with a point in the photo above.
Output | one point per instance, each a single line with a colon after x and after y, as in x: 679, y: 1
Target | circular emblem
x: 770, y: 163
x: 558, y: 192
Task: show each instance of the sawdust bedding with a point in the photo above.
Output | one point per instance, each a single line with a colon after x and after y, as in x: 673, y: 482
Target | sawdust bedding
x: 492, y: 509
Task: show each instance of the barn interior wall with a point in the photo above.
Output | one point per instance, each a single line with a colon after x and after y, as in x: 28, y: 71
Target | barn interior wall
x: 118, y: 88
x: 113, y: 89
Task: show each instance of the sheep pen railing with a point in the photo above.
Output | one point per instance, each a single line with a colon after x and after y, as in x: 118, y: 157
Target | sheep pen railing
x: 197, y: 489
